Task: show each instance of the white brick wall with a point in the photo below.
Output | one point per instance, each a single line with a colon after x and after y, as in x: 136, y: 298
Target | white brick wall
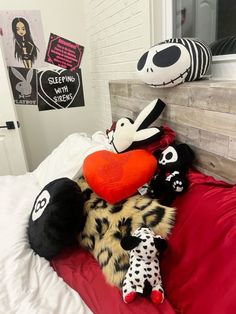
x: 118, y: 33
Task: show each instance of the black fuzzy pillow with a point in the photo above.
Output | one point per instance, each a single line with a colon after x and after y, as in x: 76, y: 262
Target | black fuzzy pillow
x: 56, y: 218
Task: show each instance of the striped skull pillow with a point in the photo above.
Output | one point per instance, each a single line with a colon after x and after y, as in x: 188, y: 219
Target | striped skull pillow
x: 173, y: 62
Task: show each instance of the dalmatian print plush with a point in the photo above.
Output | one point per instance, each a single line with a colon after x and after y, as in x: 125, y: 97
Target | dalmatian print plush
x: 143, y: 275
x: 171, y: 179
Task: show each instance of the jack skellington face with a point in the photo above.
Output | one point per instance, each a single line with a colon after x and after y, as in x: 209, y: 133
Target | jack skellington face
x: 164, y: 65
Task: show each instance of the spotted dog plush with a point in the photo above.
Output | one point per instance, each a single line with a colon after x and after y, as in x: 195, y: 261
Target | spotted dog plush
x: 107, y: 224
x: 143, y: 275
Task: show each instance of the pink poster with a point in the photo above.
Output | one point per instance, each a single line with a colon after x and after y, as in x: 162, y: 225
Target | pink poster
x: 64, y: 53
x: 23, y: 39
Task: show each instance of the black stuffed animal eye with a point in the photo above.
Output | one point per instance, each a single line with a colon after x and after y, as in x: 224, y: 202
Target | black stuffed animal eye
x: 122, y: 124
x: 169, y: 156
x: 167, y: 57
x: 142, y: 61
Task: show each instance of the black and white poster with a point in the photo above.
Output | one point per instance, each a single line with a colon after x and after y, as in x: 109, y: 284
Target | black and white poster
x: 59, y: 89
x: 23, y: 84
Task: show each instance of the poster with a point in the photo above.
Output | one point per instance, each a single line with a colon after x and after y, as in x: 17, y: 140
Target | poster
x: 23, y: 39
x: 64, y: 53
x: 58, y: 89
x: 23, y: 84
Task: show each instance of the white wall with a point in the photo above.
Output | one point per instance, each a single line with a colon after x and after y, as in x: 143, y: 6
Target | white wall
x: 43, y: 131
x: 118, y: 34
x: 115, y: 34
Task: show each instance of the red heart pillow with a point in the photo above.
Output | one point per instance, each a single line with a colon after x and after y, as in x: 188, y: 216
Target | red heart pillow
x: 115, y: 177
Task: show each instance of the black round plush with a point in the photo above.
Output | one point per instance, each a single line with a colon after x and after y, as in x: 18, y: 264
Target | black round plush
x: 56, y: 218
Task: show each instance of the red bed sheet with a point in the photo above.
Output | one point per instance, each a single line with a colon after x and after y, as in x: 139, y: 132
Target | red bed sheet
x: 80, y: 271
x: 198, y: 268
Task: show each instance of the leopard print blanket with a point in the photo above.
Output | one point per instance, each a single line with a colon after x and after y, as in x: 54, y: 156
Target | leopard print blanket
x: 106, y: 224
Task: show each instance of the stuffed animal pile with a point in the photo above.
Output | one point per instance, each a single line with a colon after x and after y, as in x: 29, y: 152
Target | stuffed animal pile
x: 142, y: 155
x: 58, y: 213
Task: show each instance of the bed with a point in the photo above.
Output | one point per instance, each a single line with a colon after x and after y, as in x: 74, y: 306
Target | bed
x: 198, y: 265
x: 28, y: 283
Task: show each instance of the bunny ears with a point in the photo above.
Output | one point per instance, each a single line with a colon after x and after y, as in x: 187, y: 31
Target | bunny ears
x: 18, y: 75
x: 126, y: 134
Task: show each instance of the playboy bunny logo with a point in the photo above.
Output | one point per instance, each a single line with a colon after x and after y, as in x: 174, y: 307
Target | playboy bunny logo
x: 24, y: 85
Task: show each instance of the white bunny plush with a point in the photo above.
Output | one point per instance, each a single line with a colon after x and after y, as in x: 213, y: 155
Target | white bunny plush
x: 127, y: 134
x: 23, y: 87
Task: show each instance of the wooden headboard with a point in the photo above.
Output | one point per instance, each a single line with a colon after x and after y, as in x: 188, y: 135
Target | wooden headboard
x: 202, y: 113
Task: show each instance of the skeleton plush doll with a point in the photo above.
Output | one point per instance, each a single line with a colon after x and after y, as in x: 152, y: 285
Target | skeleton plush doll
x: 171, y: 179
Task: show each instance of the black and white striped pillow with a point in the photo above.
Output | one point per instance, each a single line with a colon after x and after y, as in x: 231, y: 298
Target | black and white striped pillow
x: 174, y: 61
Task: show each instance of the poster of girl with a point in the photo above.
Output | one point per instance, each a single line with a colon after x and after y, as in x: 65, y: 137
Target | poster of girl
x: 23, y: 39
x: 25, y: 48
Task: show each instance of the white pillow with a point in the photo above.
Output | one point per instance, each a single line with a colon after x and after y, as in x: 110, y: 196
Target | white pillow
x: 67, y: 159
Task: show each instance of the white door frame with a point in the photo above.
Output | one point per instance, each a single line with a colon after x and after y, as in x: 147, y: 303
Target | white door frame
x: 14, y: 148
x: 161, y: 21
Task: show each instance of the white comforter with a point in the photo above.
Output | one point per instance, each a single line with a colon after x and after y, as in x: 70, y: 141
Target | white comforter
x: 28, y: 285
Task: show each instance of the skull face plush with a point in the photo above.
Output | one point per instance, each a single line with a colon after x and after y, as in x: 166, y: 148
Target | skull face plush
x: 173, y: 62
x: 171, y: 179
x: 164, y: 65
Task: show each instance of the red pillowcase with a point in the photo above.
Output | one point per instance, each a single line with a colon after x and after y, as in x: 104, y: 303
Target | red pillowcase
x: 199, y: 266
x: 115, y: 177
